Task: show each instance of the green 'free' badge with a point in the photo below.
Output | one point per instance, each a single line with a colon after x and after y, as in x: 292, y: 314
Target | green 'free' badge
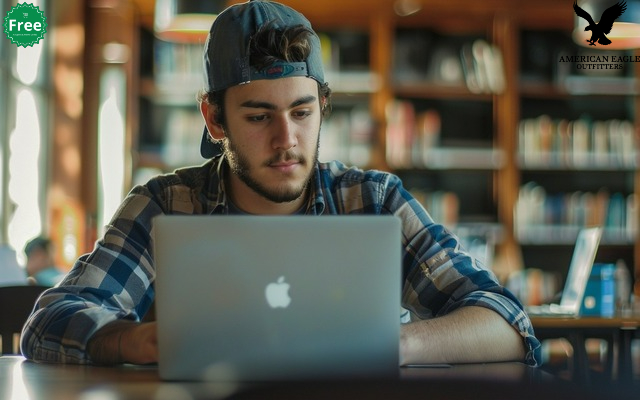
x: 25, y: 24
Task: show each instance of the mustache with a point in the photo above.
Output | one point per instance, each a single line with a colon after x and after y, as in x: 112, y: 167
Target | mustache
x: 285, y: 156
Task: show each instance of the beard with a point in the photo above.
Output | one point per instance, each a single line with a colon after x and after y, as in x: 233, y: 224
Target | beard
x: 240, y: 166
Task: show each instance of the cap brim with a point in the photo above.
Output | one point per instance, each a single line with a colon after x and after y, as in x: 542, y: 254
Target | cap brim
x: 209, y: 149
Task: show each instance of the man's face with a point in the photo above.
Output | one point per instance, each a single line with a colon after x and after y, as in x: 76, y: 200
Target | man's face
x: 38, y: 260
x: 271, y: 138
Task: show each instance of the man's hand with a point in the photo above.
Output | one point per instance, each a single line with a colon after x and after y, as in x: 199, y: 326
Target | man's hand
x: 139, y: 345
x: 125, y: 342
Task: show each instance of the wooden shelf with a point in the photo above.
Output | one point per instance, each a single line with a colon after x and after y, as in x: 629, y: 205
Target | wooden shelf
x: 431, y: 90
x: 346, y: 82
x: 581, y: 86
x: 563, y: 235
x: 455, y: 159
x: 612, y: 165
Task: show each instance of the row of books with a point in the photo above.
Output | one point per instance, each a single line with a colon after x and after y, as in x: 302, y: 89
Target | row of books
x: 410, y: 135
x: 483, y: 67
x: 424, y: 57
x: 182, y: 135
x: 536, y: 210
x: 178, y: 66
x: 581, y: 143
x: 347, y: 135
x: 534, y: 286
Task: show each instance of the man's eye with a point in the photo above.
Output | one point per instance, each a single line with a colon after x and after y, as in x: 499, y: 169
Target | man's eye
x: 257, y: 118
x: 302, y: 114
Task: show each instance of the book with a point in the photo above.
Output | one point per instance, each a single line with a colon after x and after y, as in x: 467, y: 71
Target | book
x: 581, y: 144
x: 543, y: 216
x: 399, y: 133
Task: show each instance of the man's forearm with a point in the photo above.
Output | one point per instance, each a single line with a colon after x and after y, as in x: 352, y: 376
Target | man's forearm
x: 470, y: 334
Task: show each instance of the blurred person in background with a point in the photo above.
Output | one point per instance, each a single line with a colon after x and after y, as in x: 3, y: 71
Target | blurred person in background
x: 41, y: 267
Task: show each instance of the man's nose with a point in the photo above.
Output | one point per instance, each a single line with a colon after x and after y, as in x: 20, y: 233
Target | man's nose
x: 284, y: 135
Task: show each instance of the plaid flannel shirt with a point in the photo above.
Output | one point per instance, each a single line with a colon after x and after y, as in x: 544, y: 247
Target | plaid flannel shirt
x: 116, y: 280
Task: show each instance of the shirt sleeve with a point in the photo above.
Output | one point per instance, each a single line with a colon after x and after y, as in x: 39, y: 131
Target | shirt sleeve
x: 440, y: 276
x: 113, y: 282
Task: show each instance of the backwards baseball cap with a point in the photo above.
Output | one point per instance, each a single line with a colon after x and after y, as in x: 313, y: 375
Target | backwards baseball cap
x: 227, y: 51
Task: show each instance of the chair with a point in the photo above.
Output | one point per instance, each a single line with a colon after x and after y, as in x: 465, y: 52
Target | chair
x: 16, y: 304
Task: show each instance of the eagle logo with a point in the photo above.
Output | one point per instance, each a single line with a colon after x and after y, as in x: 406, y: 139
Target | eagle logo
x: 603, y: 27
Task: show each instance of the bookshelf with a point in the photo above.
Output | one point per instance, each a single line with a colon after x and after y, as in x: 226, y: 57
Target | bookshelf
x: 473, y: 150
x: 349, y: 133
x: 486, y: 166
x: 171, y: 127
x: 576, y: 151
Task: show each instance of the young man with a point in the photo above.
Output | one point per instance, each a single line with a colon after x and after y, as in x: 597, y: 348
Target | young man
x: 263, y: 104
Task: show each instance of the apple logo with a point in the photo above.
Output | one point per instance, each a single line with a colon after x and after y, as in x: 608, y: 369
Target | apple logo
x: 277, y: 294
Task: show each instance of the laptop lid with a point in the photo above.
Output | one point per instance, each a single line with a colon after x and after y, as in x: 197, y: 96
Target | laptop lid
x: 584, y: 254
x: 255, y: 298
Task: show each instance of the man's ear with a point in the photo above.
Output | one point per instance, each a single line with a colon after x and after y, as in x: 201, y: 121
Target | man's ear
x: 209, y: 114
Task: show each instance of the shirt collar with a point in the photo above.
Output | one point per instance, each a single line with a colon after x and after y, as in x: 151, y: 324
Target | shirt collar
x: 316, y: 199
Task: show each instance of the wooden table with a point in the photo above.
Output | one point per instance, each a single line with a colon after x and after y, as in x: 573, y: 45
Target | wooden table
x: 24, y: 380
x: 618, y: 331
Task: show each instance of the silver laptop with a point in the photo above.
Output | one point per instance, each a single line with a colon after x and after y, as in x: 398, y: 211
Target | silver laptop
x: 584, y: 254
x: 258, y: 298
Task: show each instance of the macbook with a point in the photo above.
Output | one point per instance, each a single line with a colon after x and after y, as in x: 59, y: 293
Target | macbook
x: 584, y: 254
x: 260, y: 298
